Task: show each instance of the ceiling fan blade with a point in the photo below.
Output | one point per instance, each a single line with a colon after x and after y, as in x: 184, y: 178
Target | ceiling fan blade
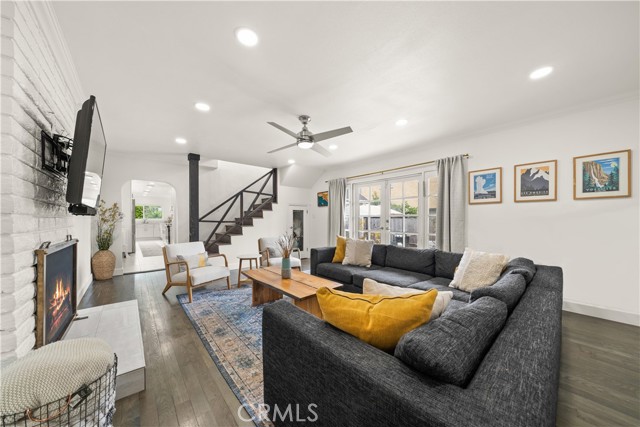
x: 331, y: 134
x: 283, y: 129
x: 283, y: 148
x: 319, y: 149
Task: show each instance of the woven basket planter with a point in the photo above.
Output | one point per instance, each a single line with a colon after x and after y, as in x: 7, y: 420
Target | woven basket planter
x: 103, y: 263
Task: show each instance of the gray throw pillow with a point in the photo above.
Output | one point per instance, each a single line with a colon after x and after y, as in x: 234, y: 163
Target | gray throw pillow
x: 446, y: 263
x: 451, y: 347
x: 410, y: 259
x: 507, y: 289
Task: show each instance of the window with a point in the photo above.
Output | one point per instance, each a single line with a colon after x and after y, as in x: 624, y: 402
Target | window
x: 399, y: 211
x: 369, y: 212
x: 404, y: 203
x: 148, y: 212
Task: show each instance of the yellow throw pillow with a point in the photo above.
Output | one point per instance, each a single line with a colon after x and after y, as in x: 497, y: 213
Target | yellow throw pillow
x: 341, y: 249
x: 376, y: 319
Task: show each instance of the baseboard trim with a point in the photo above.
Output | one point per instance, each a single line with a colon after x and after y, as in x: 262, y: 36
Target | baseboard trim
x: 84, y: 288
x: 602, y: 312
x: 118, y: 271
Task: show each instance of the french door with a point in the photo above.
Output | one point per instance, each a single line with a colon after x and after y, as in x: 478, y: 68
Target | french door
x: 391, y: 211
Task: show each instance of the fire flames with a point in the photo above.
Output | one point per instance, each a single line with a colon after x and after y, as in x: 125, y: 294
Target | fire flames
x: 58, y: 303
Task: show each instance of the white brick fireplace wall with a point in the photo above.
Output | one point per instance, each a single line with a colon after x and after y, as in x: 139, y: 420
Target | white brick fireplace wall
x: 40, y: 91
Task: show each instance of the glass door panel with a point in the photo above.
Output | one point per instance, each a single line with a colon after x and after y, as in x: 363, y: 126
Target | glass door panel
x: 369, y: 215
x: 404, y: 212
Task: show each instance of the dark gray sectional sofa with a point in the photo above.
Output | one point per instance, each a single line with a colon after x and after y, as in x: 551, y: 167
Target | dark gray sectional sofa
x: 512, y: 381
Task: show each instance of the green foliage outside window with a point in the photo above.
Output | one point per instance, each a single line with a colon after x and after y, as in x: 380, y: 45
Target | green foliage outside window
x: 148, y: 212
x: 408, y: 209
x: 153, y: 212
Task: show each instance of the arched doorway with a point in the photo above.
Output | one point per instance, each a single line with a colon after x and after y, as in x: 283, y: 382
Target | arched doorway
x: 148, y: 224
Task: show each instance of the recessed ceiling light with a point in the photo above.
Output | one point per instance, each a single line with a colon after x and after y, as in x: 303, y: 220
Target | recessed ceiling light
x: 202, y: 106
x: 540, y: 73
x: 291, y: 161
x: 401, y: 122
x: 181, y: 140
x: 333, y: 147
x: 247, y: 37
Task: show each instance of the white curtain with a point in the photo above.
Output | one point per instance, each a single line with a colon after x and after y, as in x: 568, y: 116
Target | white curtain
x: 451, y: 227
x: 337, y: 189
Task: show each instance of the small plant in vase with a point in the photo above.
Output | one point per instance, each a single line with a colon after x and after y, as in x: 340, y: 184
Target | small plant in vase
x: 286, y: 243
x: 103, y: 262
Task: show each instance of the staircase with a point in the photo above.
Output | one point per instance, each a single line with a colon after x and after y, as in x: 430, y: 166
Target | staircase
x: 255, y: 201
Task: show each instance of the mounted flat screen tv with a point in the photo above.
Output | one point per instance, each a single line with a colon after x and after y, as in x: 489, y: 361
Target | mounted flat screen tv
x: 87, y: 161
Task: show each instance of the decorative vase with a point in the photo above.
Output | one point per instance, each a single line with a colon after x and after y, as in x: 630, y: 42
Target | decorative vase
x: 103, y: 263
x: 286, y: 268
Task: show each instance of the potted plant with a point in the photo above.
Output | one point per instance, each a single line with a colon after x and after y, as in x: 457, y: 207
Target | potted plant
x: 286, y: 243
x: 103, y: 262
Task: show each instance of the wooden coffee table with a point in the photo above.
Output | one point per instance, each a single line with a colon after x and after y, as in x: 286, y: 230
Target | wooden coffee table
x: 268, y: 286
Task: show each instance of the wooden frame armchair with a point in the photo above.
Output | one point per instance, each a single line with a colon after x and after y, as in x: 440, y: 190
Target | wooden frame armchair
x: 264, y: 243
x: 191, y: 277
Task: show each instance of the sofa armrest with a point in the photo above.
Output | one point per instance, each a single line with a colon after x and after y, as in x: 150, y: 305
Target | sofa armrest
x: 321, y: 255
x: 348, y: 382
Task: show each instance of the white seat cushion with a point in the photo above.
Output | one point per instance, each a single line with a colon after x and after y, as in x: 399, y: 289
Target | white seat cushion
x: 202, y: 275
x: 295, y: 262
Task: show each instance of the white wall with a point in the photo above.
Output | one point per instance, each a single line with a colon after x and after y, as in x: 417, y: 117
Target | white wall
x: 596, y: 242
x: 40, y: 91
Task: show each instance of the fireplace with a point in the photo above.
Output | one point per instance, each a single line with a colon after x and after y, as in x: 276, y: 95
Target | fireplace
x: 56, y: 294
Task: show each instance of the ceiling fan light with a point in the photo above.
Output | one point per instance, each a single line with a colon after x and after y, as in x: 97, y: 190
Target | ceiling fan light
x: 305, y: 145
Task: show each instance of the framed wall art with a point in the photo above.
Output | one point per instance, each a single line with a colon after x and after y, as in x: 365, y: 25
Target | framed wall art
x: 602, y: 175
x: 323, y: 199
x: 535, y: 182
x: 485, y: 186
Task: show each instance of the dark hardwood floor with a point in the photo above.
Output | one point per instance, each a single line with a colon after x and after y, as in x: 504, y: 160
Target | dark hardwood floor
x: 599, y: 377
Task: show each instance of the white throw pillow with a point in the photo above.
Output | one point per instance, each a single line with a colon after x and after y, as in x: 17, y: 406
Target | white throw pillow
x: 370, y: 286
x: 358, y: 252
x: 194, y: 261
x: 478, y: 270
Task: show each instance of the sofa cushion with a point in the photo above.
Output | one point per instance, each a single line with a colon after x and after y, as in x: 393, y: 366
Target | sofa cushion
x: 522, y: 266
x: 371, y: 287
x: 416, y: 260
x: 508, y: 289
x: 439, y: 284
x: 391, y: 276
x: 376, y: 319
x: 379, y: 255
x: 451, y: 347
x: 342, y: 273
x: 454, y: 305
x: 446, y: 263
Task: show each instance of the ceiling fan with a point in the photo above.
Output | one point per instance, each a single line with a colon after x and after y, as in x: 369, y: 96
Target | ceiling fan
x: 306, y: 139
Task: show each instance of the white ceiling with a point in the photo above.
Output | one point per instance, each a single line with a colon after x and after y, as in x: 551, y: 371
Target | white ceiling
x: 154, y: 189
x: 449, y: 68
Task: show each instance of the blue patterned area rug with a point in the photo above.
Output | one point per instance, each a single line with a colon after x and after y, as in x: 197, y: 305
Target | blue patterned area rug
x: 231, y: 331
